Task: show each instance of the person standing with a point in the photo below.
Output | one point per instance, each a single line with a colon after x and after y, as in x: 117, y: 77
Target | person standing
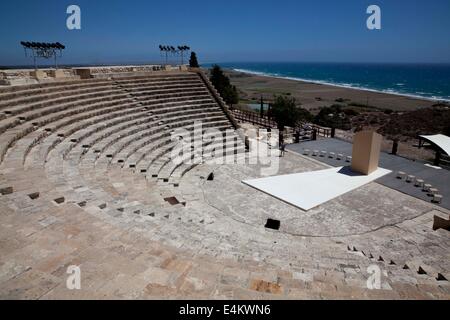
x: 282, y: 149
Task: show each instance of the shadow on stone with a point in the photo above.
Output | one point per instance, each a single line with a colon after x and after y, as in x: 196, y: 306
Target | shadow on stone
x: 272, y: 224
x: 349, y: 172
x: 440, y: 223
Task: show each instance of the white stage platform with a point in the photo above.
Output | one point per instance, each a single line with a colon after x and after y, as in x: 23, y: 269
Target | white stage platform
x: 309, y: 189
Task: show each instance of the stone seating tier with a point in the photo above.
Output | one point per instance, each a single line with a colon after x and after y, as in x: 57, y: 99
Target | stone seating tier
x: 86, y: 175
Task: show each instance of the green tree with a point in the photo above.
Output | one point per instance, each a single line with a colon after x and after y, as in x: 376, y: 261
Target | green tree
x: 221, y: 82
x: 333, y: 117
x: 230, y: 95
x: 286, y: 112
x: 193, y: 62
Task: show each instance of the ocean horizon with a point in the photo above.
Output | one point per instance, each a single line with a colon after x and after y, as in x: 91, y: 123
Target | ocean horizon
x: 430, y: 81
x: 423, y: 81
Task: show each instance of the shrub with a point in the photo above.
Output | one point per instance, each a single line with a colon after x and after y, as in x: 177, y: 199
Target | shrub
x: 286, y: 113
x: 222, y: 83
x: 333, y: 117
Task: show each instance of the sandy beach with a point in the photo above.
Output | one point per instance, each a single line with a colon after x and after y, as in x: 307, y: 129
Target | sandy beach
x: 313, y: 96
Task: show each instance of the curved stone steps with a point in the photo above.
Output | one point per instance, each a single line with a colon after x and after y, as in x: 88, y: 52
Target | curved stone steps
x: 34, y: 100
x: 18, y: 128
x: 130, y: 149
x: 196, y: 91
x: 49, y: 141
x: 67, y: 126
x: 163, y: 158
x: 28, y: 111
x: 170, y: 97
x: 139, y: 151
x: 153, y: 147
x: 158, y: 78
x: 228, y: 148
x: 112, y: 203
x: 92, y: 135
x: 149, y: 87
x: 77, y: 175
x: 74, y: 166
x: 10, y: 93
x: 155, y: 104
x: 259, y: 257
x: 143, y: 152
x: 113, y: 145
x: 35, y: 135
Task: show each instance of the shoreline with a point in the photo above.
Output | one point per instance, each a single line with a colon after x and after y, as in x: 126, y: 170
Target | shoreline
x: 313, y: 95
x: 373, y: 108
x: 321, y: 82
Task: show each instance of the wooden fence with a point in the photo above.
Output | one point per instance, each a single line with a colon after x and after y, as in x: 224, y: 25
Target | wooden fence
x: 256, y: 119
x: 253, y: 118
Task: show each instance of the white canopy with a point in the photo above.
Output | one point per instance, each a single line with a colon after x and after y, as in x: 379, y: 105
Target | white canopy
x: 440, y: 140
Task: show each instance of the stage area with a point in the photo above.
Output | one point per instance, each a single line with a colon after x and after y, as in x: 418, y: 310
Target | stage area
x: 437, y: 178
x: 307, y: 190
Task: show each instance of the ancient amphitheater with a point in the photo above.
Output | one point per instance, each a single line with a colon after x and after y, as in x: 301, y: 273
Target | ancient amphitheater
x: 86, y: 179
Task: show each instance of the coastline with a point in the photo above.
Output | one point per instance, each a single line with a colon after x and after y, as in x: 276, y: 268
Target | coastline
x: 375, y: 108
x: 316, y: 94
x: 392, y: 92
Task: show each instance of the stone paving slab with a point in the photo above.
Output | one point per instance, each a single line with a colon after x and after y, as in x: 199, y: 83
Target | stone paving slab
x: 130, y: 243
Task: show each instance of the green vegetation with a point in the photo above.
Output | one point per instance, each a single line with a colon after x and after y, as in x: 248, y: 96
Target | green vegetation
x: 193, y: 62
x: 351, y: 112
x: 441, y: 104
x: 333, y: 117
x: 286, y: 112
x: 362, y: 105
x: 222, y: 83
x: 422, y: 121
x: 230, y: 95
x: 273, y: 91
x: 357, y: 104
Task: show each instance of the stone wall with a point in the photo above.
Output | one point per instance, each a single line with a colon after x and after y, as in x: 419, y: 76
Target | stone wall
x: 124, y: 71
x: 30, y: 76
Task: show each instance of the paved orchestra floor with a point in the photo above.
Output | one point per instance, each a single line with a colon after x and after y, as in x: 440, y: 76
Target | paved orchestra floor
x: 307, y: 190
x: 438, y: 178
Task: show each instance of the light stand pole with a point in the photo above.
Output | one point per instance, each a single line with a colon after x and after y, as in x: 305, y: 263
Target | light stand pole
x: 43, y: 50
x: 180, y: 50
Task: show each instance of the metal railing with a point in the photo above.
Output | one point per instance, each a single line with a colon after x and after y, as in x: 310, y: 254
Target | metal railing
x: 253, y: 118
x: 264, y: 121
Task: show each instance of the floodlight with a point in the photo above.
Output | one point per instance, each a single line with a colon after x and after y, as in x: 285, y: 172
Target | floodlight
x: 45, y: 50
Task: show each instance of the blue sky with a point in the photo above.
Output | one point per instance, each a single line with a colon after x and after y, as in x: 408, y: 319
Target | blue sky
x: 227, y: 31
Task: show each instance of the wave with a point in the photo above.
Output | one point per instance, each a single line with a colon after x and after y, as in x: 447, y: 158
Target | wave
x: 417, y: 95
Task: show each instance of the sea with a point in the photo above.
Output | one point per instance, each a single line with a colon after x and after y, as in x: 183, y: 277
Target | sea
x: 428, y: 81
